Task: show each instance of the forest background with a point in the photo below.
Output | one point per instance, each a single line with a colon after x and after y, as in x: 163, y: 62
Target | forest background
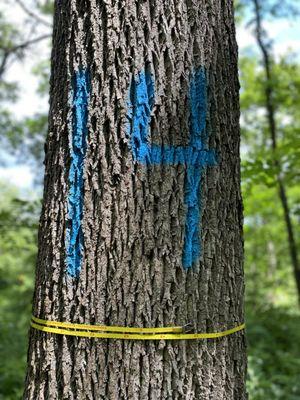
x: 272, y: 300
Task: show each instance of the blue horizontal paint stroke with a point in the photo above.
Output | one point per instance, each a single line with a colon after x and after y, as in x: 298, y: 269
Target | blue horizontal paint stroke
x: 196, y: 156
x: 74, y: 233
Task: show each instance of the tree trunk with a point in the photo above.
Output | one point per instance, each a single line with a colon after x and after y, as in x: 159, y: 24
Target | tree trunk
x: 142, y: 214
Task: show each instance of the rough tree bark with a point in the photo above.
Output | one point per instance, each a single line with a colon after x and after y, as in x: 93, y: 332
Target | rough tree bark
x: 142, y: 214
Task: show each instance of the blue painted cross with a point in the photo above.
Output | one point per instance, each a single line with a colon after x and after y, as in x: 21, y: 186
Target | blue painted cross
x: 196, y: 156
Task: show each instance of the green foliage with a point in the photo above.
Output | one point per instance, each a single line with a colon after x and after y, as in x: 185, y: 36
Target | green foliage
x: 9, y: 34
x: 18, y: 225
x: 45, y: 6
x: 273, y: 324
x: 269, y: 277
x: 274, y: 353
x: 268, y: 265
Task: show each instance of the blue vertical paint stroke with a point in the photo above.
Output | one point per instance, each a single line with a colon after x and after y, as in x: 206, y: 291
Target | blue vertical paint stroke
x: 140, y: 104
x: 200, y: 157
x: 74, y: 233
x: 196, y: 156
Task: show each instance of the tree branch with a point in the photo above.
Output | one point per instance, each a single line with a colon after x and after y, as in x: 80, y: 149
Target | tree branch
x: 29, y: 43
x: 9, y: 51
x: 3, y: 63
x: 32, y: 14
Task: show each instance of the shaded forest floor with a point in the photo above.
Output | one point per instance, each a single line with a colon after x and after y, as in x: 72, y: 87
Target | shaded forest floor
x: 273, y: 354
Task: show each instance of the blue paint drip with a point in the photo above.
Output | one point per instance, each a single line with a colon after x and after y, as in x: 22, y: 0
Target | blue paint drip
x: 74, y: 234
x: 196, y: 156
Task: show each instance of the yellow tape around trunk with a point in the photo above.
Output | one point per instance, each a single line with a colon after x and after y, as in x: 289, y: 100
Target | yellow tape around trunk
x: 119, y: 332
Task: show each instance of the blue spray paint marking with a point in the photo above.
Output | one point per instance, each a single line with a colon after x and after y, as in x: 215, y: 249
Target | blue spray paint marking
x: 74, y: 234
x: 140, y: 104
x: 199, y: 150
x: 196, y: 156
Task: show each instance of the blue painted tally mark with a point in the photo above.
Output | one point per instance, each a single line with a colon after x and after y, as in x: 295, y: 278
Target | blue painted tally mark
x: 200, y: 157
x: 196, y: 156
x: 74, y: 233
x: 140, y: 103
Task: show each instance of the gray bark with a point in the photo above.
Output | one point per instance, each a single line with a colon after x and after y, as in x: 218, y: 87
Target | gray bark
x: 134, y: 214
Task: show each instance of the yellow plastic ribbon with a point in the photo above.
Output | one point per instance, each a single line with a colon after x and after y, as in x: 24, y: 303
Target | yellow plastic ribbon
x: 119, y: 332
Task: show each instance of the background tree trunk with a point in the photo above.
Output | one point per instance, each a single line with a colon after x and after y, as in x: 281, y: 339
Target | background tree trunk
x: 134, y: 231
x: 272, y: 127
